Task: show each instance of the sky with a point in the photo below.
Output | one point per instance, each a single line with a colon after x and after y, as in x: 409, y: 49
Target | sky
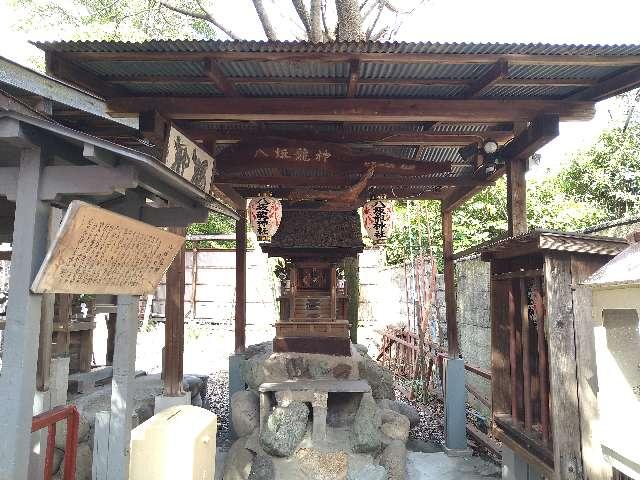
x: 546, y: 21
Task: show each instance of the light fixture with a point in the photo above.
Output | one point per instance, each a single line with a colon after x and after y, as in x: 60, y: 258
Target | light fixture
x: 490, y: 147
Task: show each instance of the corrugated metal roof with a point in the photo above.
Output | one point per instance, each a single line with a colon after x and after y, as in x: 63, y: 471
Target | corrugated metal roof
x: 250, y: 68
x: 291, y: 90
x: 421, y: 71
x: 423, y: 91
x: 210, y: 46
x: 181, y: 89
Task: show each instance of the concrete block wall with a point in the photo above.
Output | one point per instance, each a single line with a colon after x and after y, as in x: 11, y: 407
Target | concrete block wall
x: 474, y: 323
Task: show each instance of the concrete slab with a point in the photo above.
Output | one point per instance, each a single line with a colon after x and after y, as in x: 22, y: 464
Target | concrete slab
x: 163, y: 402
x: 438, y: 466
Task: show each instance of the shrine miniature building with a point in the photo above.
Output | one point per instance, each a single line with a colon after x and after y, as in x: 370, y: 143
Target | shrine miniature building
x: 615, y: 310
x: 536, y: 364
x: 313, y: 306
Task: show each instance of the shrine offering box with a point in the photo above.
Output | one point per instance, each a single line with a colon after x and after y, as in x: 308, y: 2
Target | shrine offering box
x: 535, y: 358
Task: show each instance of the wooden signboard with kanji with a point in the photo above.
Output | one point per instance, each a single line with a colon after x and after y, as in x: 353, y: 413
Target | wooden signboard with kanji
x: 190, y: 161
x: 100, y: 252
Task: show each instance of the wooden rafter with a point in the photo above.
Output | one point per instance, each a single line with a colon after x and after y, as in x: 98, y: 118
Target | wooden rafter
x: 483, y: 84
x: 623, y: 82
x: 539, y: 133
x: 354, y: 77
x: 60, y: 67
x: 352, y: 109
x: 218, y: 78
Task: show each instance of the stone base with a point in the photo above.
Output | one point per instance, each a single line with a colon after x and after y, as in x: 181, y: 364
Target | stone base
x: 162, y: 402
x: 457, y: 452
x: 325, y: 345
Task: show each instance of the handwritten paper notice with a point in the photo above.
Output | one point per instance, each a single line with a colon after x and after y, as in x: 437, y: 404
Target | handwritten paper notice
x: 100, y: 252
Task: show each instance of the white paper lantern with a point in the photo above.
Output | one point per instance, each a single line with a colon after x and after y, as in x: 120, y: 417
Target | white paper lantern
x: 265, y: 213
x: 377, y: 216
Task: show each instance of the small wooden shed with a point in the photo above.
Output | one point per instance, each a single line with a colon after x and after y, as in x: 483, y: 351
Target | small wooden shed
x: 537, y: 359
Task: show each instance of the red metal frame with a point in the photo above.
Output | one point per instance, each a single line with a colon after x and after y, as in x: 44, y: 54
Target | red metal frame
x: 49, y: 420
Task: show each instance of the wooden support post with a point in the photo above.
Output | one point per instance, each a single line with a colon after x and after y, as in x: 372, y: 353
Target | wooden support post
x: 122, y: 387
x: 334, y: 286
x: 517, y: 196
x: 351, y: 267
x: 241, y: 283
x: 20, y: 356
x: 449, y: 283
x: 174, y: 324
x: 46, y: 317
x: 194, y: 282
x: 526, y: 364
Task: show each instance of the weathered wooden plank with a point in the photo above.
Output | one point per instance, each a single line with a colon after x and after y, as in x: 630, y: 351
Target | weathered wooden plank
x: 353, y: 109
x: 594, y: 465
x: 449, y: 284
x: 565, y: 414
x: 174, y: 323
x: 516, y: 196
x: 500, y: 371
x: 241, y: 285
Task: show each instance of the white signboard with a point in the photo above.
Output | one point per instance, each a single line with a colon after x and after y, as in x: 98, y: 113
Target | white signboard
x: 100, y: 252
x: 189, y: 161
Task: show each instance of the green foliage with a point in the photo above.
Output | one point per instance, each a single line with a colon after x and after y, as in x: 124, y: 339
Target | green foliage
x: 216, y: 224
x: 608, y: 173
x: 484, y: 217
x: 132, y: 20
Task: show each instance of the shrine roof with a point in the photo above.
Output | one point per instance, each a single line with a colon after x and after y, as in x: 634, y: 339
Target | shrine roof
x: 311, y: 230
x: 624, y: 269
x: 416, y: 102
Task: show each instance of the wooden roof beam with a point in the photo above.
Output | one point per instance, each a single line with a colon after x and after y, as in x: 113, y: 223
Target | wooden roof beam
x: 218, y: 78
x: 623, y: 82
x: 61, y: 68
x: 351, y: 110
x: 343, y: 181
x: 346, y: 57
x: 483, y: 84
x: 232, y: 136
x: 539, y: 133
x: 354, y: 76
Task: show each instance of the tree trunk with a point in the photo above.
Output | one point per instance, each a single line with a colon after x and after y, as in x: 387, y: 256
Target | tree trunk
x: 351, y: 267
x: 264, y: 20
x: 315, y: 33
x: 349, y: 20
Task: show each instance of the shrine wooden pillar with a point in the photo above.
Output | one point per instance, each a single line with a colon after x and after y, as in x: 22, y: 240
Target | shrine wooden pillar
x: 174, y: 323
x: 241, y: 283
x: 517, y: 196
x: 449, y: 283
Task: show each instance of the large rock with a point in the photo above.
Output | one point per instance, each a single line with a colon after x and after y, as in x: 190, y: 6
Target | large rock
x: 245, y: 412
x: 365, y: 435
x: 285, y: 429
x: 379, y: 378
x: 237, y: 463
x: 367, y: 472
x: 317, y: 465
x: 407, y: 410
x: 61, y: 432
x: 394, y: 426
x: 262, y: 468
x: 192, y: 384
x: 394, y: 460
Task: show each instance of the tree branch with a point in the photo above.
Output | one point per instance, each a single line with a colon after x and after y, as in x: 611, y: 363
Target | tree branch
x: 315, y: 34
x: 205, y: 15
x: 264, y: 20
x: 349, y: 20
x: 387, y: 4
x: 323, y: 7
x: 304, y: 16
x: 375, y: 22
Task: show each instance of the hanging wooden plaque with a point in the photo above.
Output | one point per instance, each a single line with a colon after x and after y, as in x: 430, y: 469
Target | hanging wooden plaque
x: 190, y: 161
x: 100, y: 252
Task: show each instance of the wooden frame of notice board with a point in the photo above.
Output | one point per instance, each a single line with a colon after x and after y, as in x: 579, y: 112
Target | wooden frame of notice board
x: 97, y: 251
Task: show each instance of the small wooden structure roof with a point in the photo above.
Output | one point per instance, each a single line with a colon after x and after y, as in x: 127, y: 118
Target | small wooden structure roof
x: 316, y: 233
x: 410, y: 106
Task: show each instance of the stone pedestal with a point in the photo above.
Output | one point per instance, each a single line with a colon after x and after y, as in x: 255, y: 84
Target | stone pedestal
x: 236, y: 382
x: 163, y: 402
x: 455, y: 409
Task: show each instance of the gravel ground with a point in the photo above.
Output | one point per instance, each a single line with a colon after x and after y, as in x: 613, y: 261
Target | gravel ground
x: 217, y: 400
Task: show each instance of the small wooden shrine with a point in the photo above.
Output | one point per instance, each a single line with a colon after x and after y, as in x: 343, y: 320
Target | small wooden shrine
x: 313, y: 302
x: 538, y: 364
